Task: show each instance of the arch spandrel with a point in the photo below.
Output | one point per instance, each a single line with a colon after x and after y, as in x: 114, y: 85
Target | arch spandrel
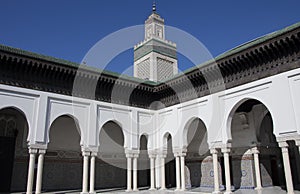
x: 79, y: 112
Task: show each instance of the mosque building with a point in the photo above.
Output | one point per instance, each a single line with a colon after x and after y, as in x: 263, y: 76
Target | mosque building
x: 230, y: 123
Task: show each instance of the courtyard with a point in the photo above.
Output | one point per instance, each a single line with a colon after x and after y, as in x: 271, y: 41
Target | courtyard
x: 267, y: 190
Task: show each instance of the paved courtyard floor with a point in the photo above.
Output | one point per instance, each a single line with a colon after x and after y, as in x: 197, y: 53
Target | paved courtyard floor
x: 269, y: 190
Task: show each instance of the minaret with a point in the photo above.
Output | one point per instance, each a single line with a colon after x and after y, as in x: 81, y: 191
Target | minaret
x: 155, y: 58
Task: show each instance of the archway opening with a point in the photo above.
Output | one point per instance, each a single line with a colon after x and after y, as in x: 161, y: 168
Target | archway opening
x: 63, y: 159
x: 198, y: 152
x: 295, y: 163
x: 252, y: 126
x: 143, y: 164
x: 170, y: 163
x: 13, y: 150
x: 111, y: 163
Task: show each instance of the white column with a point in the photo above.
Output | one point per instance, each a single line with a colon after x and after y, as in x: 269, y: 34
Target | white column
x: 163, y: 173
x: 85, y: 172
x: 152, y: 172
x: 287, y: 167
x: 157, y: 172
x: 227, y: 170
x: 298, y: 144
x: 177, y: 172
x: 214, y: 153
x: 182, y: 164
x: 129, y: 166
x: 32, y: 153
x: 92, y: 173
x: 38, y: 187
x: 298, y: 157
x: 255, y: 152
x: 135, y: 173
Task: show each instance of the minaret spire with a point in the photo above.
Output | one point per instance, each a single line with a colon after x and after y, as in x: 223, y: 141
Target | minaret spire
x: 154, y: 7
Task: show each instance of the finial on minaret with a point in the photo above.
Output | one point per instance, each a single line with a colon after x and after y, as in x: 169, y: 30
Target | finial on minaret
x: 154, y: 7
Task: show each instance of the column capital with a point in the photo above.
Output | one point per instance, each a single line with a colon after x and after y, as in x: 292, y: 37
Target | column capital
x: 32, y: 150
x: 86, y: 153
x: 225, y: 150
x: 42, y: 151
x: 255, y: 150
x: 129, y: 155
x: 283, y: 144
x: 132, y: 153
x: 94, y: 154
x: 214, y: 151
x: 152, y: 155
x: 161, y: 155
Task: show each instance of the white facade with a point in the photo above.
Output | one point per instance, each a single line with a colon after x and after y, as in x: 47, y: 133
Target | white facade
x: 215, y: 111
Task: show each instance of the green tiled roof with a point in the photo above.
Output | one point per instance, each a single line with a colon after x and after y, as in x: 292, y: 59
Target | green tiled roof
x: 71, y: 64
x: 235, y: 50
x: 240, y: 48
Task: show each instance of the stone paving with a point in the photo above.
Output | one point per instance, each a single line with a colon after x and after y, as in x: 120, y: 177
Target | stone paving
x: 269, y: 190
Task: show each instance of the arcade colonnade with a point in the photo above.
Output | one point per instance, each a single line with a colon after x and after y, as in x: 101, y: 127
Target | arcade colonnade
x: 225, y: 114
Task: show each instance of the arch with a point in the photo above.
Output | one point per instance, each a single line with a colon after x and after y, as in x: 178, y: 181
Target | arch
x: 111, y: 164
x: 195, y: 141
x: 145, y: 137
x: 23, y: 113
x: 233, y: 110
x: 186, y: 128
x: 63, y: 157
x: 117, y: 123
x: 165, y: 139
x: 167, y: 149
x: 250, y: 122
x: 143, y: 162
x: 66, y: 117
x: 14, y: 133
x: 76, y: 121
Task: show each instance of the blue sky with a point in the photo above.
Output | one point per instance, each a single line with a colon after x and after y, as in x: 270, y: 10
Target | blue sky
x: 68, y: 29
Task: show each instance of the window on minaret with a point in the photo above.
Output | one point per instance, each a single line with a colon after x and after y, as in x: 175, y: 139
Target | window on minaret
x: 149, y: 32
x: 159, y: 33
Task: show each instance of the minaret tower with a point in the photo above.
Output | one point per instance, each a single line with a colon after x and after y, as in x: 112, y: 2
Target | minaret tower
x: 155, y: 58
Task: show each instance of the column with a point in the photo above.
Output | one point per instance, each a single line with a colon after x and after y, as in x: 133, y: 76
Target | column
x: 92, y: 173
x: 255, y: 152
x: 32, y: 153
x: 298, y: 157
x: 38, y: 187
x: 129, y: 166
x: 163, y: 173
x: 85, y: 172
x: 227, y: 170
x: 177, y: 172
x: 157, y: 172
x: 135, y: 173
x: 152, y: 172
x: 287, y: 167
x: 298, y: 144
x: 214, y: 153
x: 182, y: 164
